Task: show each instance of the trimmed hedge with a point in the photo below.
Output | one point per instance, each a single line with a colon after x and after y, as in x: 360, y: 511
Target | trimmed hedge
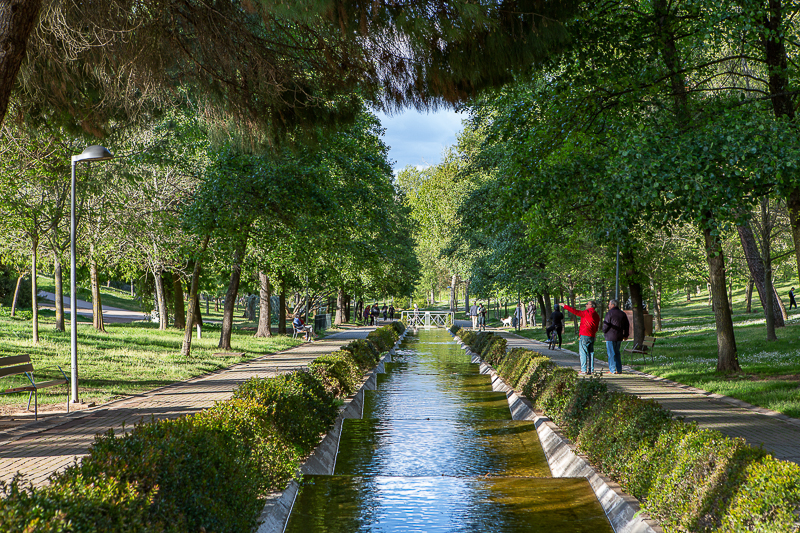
x: 205, y: 472
x: 688, y: 478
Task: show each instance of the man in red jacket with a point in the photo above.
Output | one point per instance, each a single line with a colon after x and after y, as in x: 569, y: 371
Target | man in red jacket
x: 590, y: 321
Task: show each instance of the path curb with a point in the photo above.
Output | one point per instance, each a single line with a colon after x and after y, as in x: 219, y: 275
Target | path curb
x: 623, y: 511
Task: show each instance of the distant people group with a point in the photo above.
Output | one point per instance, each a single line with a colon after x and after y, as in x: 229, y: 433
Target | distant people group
x: 372, y: 314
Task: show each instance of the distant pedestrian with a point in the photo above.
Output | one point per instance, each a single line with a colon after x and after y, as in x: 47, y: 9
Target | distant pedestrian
x: 366, y: 315
x: 532, y: 313
x: 375, y: 315
x: 481, y: 317
x: 616, y: 329
x: 391, y: 311
x: 385, y: 312
x: 556, y: 324
x: 590, y: 321
x: 416, y: 315
x: 473, y: 314
x: 792, y: 303
x: 518, y: 313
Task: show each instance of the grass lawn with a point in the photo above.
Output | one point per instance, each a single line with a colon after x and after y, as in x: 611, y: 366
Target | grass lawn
x: 128, y: 359
x: 686, y: 351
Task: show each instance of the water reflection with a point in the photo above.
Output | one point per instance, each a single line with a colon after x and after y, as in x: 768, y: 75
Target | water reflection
x: 437, y: 451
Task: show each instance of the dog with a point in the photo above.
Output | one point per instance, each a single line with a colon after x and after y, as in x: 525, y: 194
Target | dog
x: 506, y: 322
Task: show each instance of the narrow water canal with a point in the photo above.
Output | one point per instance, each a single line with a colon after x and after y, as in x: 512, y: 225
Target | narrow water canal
x: 437, y: 451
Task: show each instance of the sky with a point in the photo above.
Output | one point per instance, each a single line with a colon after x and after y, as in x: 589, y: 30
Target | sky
x: 417, y: 138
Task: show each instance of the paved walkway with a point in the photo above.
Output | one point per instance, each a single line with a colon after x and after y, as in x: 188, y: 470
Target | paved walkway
x: 776, y: 433
x: 41, y: 448
x: 110, y: 314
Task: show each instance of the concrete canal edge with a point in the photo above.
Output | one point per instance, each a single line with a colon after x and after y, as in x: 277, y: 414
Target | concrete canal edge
x: 623, y: 511
x: 322, y: 460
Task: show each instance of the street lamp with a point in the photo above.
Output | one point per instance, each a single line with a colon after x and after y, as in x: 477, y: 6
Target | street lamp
x: 91, y: 153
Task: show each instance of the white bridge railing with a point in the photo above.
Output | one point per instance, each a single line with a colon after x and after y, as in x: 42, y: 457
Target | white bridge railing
x: 427, y: 319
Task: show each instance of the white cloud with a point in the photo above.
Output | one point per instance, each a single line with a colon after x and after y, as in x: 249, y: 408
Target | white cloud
x: 417, y: 138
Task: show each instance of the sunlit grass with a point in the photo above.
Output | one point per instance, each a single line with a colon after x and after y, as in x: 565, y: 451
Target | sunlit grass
x: 128, y: 359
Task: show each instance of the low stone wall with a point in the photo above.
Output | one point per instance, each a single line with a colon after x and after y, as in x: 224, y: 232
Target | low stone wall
x: 322, y: 460
x: 621, y: 509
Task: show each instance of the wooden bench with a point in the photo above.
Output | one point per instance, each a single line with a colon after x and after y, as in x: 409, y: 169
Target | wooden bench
x: 21, y: 365
x: 645, y: 349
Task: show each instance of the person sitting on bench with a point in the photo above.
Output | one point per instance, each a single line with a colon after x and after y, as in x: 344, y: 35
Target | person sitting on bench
x: 299, y: 325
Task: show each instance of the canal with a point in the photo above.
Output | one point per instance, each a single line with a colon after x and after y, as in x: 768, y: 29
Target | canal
x: 437, y: 451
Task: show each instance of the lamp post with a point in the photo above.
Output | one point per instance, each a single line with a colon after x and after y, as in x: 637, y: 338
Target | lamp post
x: 91, y: 153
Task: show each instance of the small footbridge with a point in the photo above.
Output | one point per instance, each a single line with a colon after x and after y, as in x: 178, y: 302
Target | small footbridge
x: 428, y: 319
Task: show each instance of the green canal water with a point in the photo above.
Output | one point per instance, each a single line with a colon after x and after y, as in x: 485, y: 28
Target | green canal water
x: 437, y: 451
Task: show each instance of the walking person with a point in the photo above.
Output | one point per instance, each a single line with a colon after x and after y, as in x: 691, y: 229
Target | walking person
x: 590, y: 321
x: 366, y: 315
x: 375, y: 314
x: 385, y: 312
x: 518, y: 316
x: 556, y: 323
x: 391, y: 311
x: 792, y: 303
x: 481, y: 317
x: 473, y: 314
x: 532, y: 314
x: 616, y: 329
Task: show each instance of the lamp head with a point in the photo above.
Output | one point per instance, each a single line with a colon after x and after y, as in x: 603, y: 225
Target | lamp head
x: 93, y: 153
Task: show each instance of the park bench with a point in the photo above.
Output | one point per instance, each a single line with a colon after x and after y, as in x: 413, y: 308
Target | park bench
x: 645, y: 349
x: 21, y: 365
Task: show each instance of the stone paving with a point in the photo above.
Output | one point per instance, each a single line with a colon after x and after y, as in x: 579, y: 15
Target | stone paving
x: 776, y: 433
x: 41, y: 448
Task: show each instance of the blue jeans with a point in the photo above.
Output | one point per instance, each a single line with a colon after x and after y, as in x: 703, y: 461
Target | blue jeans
x: 614, y: 357
x: 586, y: 351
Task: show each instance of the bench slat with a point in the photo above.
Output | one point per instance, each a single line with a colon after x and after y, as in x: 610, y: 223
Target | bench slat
x: 15, y: 360
x: 45, y: 384
x: 11, y: 370
x: 26, y: 388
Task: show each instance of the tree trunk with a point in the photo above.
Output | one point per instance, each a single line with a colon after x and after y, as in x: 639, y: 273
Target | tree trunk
x: 193, y: 316
x: 572, y: 303
x: 453, y: 304
x: 688, y: 294
x: 340, y: 305
x: 16, y: 296
x: 34, y: 295
x: 766, y: 234
x: 545, y: 314
x: 265, y: 304
x: 94, y: 280
x: 228, y: 308
x: 755, y: 263
x: 161, y: 301
x: 548, y: 306
x: 749, y: 296
x: 177, y: 295
x: 727, y: 357
x: 282, y: 309
x: 658, y: 306
x: 638, y: 311
x: 347, y: 308
x: 58, y: 276
x: 17, y: 20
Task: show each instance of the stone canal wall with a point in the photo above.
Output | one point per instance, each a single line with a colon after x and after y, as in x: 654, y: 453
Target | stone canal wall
x: 621, y: 509
x: 322, y: 460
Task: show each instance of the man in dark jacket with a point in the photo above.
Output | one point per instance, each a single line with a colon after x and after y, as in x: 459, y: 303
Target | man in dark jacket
x: 616, y: 329
x: 556, y: 323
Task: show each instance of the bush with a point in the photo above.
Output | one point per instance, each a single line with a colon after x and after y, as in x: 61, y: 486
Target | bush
x: 100, y: 504
x: 364, y: 353
x: 383, y: 338
x: 454, y: 329
x: 398, y: 327
x: 274, y: 460
x: 198, y: 477
x: 298, y: 404
x: 338, y: 372
x: 768, y: 501
x: 494, y: 350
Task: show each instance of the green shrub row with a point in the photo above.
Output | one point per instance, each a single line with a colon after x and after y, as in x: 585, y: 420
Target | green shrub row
x: 690, y: 479
x: 205, y: 472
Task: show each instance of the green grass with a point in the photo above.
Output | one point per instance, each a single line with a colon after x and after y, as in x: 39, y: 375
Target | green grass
x: 128, y: 359
x: 110, y: 296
